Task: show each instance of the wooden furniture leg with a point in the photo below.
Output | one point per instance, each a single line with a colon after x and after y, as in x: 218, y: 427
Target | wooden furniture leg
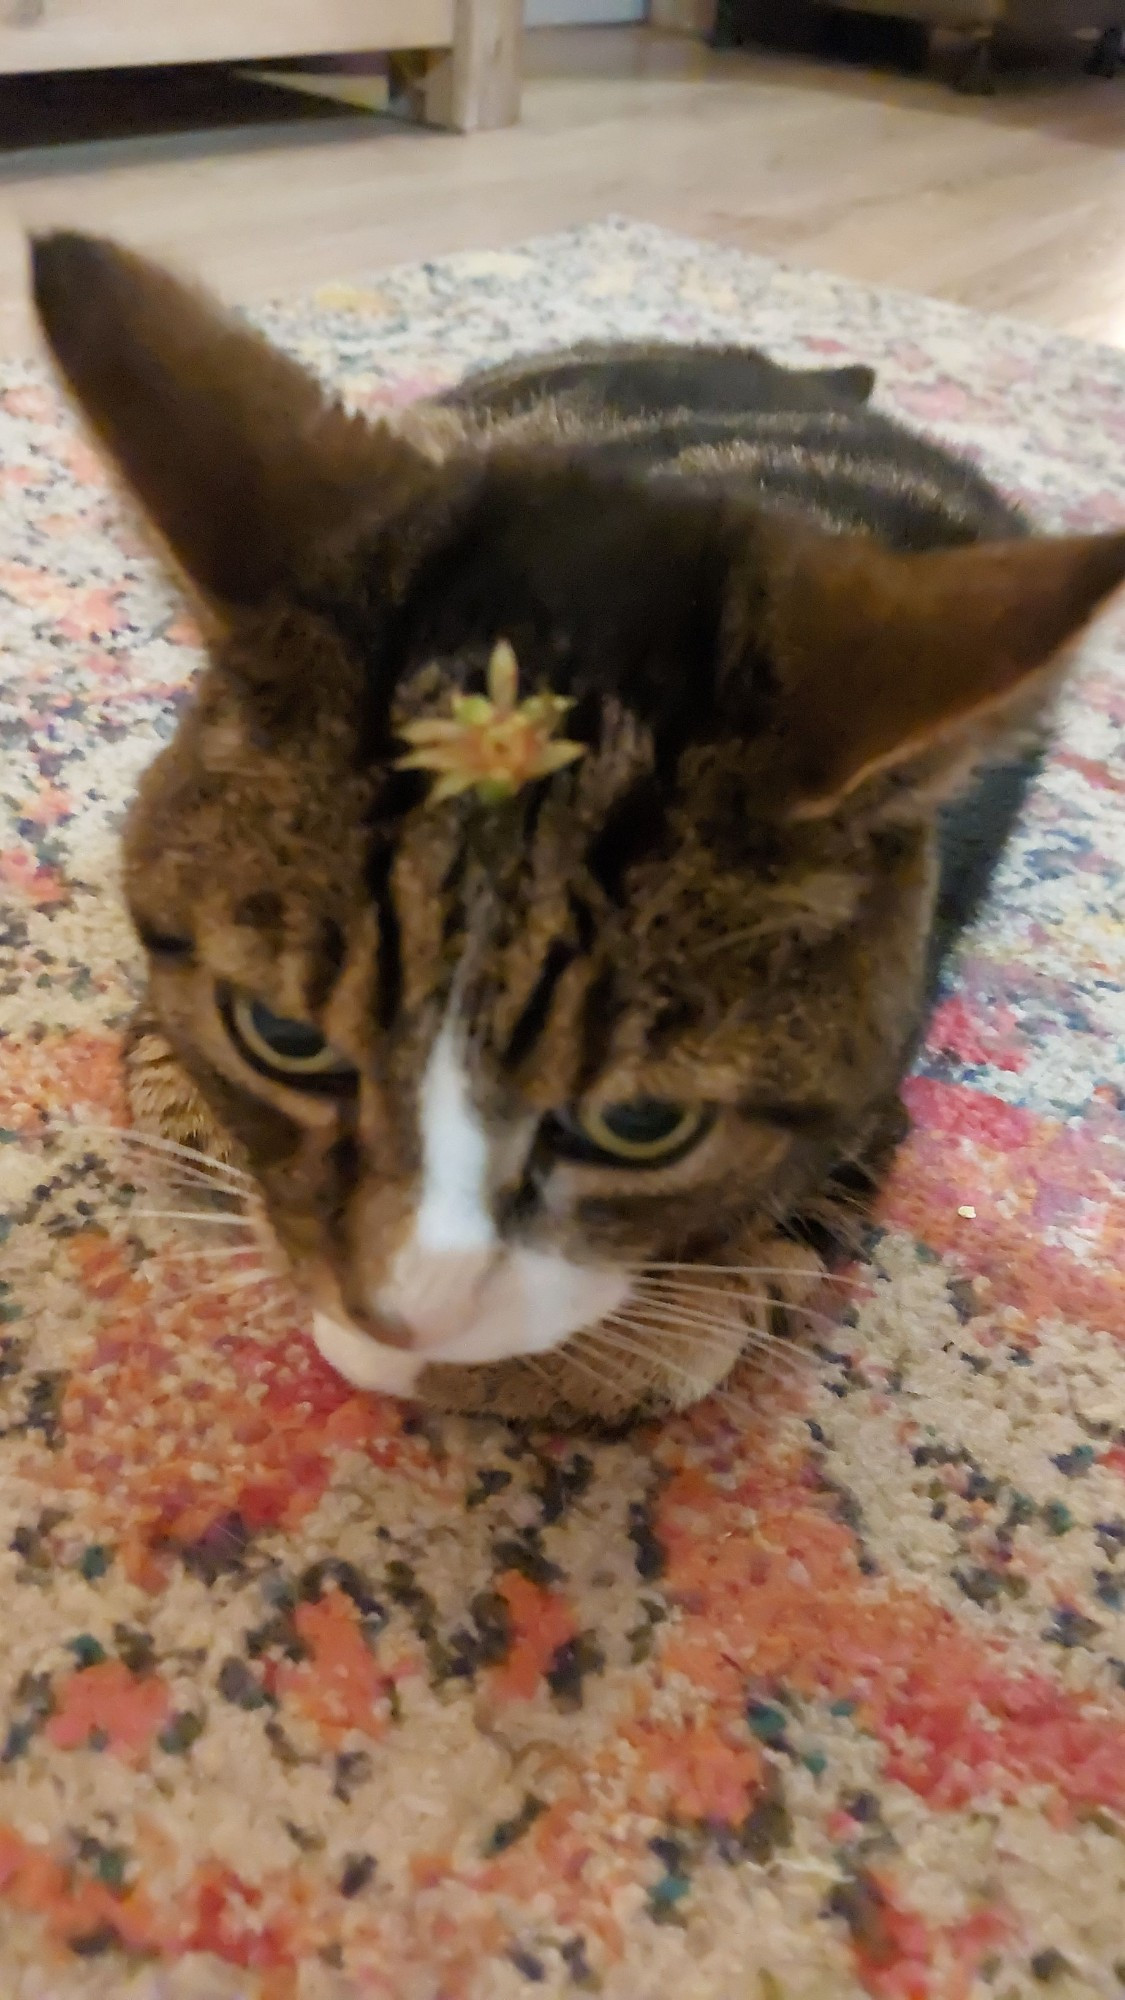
x: 1106, y: 53
x: 974, y: 76
x: 475, y: 85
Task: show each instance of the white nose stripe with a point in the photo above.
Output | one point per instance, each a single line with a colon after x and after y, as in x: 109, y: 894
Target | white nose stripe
x: 465, y: 1297
x: 453, y: 1214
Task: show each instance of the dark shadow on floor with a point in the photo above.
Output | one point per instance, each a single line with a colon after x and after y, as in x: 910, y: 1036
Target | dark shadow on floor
x: 78, y: 107
x: 64, y: 121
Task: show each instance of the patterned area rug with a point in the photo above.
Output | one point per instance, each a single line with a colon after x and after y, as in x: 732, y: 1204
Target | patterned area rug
x: 819, y: 1692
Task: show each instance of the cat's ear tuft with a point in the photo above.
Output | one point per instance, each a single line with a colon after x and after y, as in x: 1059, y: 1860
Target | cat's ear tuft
x: 854, y: 383
x: 881, y: 659
x: 236, y: 455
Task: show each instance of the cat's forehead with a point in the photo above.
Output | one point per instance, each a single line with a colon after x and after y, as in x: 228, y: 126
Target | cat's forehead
x: 291, y: 853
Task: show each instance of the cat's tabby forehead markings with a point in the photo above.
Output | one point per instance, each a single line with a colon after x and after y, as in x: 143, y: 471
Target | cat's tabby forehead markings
x: 486, y: 1062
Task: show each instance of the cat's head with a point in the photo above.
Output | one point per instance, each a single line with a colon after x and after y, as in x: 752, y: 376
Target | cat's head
x: 485, y: 1058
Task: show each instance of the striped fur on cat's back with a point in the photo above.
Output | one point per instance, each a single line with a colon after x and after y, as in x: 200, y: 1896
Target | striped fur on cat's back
x: 731, y: 419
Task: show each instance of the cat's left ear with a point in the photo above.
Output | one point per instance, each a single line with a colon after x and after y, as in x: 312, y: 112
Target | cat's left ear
x: 880, y: 659
x: 237, y: 456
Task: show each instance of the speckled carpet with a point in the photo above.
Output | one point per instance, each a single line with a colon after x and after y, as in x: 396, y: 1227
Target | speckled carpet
x: 304, y: 1698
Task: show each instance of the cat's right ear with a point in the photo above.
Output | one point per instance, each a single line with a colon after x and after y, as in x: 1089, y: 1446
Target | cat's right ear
x: 237, y: 457
x: 880, y: 661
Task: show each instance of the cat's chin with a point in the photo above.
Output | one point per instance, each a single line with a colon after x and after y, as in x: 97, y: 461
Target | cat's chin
x: 364, y: 1362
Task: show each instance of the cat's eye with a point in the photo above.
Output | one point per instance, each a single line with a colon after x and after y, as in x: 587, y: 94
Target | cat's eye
x: 165, y: 945
x: 640, y: 1132
x: 291, y: 1050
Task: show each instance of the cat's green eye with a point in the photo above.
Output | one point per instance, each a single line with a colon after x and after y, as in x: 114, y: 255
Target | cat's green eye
x: 293, y: 1051
x: 642, y: 1132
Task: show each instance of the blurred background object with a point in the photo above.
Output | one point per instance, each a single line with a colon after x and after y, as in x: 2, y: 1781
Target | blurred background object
x: 831, y: 139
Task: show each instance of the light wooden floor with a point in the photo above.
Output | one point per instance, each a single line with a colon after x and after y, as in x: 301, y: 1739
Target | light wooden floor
x: 1015, y: 204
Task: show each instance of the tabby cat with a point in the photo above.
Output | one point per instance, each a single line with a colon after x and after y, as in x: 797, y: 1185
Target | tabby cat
x: 518, y: 1064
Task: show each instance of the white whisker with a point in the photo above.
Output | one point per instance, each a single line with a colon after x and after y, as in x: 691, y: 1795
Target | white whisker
x: 786, y: 1366
x: 537, y: 1368
x: 740, y: 1406
x: 245, y: 1282
x: 692, y: 1309
x: 143, y: 1159
x: 679, y: 1314
x: 663, y: 1355
x: 674, y: 1313
x: 230, y: 1251
x: 681, y: 1291
x: 574, y: 1360
x: 746, y: 1271
x: 231, y: 1220
x: 239, y: 1266
x: 149, y: 1142
x: 169, y: 1168
x: 696, y: 1333
x: 156, y: 1175
x: 607, y: 1333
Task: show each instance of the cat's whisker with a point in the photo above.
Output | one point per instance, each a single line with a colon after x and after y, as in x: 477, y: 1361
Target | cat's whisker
x: 699, y: 1366
x: 155, y: 1173
x: 704, y: 1295
x: 751, y: 1335
x: 229, y: 1251
x: 739, y: 1406
x: 157, y: 1170
x: 603, y: 1377
x: 720, y: 1330
x: 713, y: 1339
x: 809, y: 1232
x: 714, y: 1333
x: 795, y: 1363
x: 227, y: 1267
x: 674, y: 1302
x: 723, y: 1297
x: 835, y: 1196
x: 614, y: 1334
x: 675, y: 1315
x: 212, y: 1196
x: 707, y: 1288
x: 227, y: 1220
x: 643, y: 1351
x: 164, y: 1172
x: 855, y: 1156
x: 244, y: 1282
x: 127, y: 1135
x: 672, y: 1313
x: 232, y: 1259
x: 171, y: 1157
x: 745, y: 1271
x: 538, y: 1369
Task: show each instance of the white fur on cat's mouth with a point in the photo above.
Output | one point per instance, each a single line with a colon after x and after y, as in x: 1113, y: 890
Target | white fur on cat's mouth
x: 365, y: 1363
x: 465, y: 1296
x: 528, y: 1304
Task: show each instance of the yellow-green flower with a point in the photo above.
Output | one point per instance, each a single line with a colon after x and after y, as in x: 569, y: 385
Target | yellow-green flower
x: 492, y: 744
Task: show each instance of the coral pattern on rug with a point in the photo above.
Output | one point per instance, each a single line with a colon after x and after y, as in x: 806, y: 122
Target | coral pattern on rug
x: 817, y: 1693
